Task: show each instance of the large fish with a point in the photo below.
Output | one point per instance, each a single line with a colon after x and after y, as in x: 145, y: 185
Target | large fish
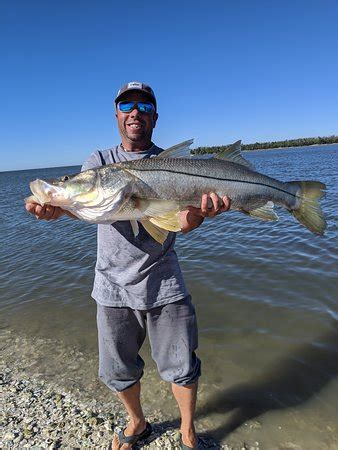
x: 152, y: 191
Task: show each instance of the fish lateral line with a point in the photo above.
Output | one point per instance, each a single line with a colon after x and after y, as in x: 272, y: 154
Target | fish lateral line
x: 255, y: 183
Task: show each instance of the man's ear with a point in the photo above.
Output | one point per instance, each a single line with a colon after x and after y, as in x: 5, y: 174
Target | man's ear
x: 155, y: 119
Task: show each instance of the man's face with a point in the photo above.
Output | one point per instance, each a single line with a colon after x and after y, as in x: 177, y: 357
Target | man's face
x: 136, y: 127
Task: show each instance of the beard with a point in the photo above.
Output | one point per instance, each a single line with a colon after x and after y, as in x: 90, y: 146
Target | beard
x: 135, y: 135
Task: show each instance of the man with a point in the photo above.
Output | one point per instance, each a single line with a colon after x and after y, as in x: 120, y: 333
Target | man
x: 138, y: 285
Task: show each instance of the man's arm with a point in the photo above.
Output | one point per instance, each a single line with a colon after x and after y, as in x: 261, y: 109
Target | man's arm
x: 193, y: 217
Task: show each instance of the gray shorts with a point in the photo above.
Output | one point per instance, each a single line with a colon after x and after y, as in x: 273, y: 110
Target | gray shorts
x: 172, y: 331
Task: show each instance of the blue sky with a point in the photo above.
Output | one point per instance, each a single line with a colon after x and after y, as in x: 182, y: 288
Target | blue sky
x: 221, y: 70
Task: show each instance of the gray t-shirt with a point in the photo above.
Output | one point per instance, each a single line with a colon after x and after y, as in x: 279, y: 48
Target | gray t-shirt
x: 137, y: 272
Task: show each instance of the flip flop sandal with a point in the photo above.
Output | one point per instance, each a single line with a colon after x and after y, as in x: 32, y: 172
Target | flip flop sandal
x: 185, y: 447
x: 123, y: 439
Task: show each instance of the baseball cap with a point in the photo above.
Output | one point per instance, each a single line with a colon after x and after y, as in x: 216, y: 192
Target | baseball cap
x: 136, y: 86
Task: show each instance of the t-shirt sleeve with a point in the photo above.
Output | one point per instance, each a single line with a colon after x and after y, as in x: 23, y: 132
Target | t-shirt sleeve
x: 92, y: 162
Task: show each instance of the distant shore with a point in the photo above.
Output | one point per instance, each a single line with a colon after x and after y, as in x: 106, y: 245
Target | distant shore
x: 271, y: 145
x: 291, y: 146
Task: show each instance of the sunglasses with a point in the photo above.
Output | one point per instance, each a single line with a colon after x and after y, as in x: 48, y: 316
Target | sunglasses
x: 143, y: 107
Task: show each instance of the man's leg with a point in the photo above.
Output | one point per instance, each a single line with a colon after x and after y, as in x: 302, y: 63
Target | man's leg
x: 121, y: 332
x: 173, y: 338
x: 186, y: 400
x: 131, y: 400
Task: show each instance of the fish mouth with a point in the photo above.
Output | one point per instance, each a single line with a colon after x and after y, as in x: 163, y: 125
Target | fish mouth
x: 49, y: 194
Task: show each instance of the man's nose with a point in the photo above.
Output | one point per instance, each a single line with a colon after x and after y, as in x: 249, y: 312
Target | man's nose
x: 135, y: 112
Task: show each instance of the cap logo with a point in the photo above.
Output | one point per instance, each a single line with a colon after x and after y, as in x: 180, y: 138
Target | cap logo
x: 134, y: 84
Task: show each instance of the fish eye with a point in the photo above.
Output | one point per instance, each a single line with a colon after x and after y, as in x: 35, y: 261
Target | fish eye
x: 65, y: 178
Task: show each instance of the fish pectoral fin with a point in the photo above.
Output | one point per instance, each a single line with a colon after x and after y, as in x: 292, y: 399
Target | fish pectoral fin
x: 157, y: 233
x: 181, y: 150
x: 265, y: 212
x: 159, y: 227
x: 233, y: 154
x: 135, y: 227
x: 169, y: 221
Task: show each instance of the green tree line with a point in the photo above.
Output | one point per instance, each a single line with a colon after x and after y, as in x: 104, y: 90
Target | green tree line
x: 300, y: 142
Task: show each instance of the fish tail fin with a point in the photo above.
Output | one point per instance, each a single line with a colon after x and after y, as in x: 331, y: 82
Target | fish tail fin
x: 308, y: 211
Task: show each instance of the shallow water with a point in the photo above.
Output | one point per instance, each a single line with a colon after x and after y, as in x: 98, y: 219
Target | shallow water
x: 265, y: 295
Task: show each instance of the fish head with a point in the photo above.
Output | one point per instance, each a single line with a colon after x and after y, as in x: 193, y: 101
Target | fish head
x: 68, y: 190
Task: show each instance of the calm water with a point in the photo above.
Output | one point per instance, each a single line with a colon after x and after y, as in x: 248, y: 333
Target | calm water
x: 265, y: 294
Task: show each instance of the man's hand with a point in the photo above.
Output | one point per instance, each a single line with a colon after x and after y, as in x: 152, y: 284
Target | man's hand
x: 193, y: 217
x: 46, y: 212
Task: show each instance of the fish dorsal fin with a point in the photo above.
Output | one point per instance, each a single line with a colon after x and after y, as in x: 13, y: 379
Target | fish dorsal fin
x: 157, y: 233
x: 265, y: 212
x: 233, y: 153
x: 181, y: 150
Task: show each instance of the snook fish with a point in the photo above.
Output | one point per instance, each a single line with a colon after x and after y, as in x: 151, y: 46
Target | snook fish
x: 152, y: 191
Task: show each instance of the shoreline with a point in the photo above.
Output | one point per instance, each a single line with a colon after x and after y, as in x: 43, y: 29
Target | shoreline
x: 37, y: 415
x: 39, y: 412
x: 269, y: 148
